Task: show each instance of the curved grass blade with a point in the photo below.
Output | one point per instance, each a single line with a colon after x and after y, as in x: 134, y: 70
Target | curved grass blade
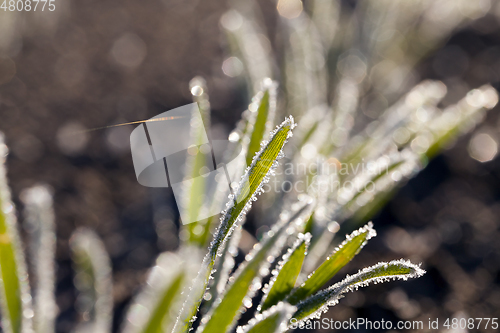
x: 251, y: 185
x: 286, y: 273
x: 361, y: 205
x: 316, y: 305
x: 93, y: 281
x: 252, y: 129
x: 338, y: 259
x: 154, y: 308
x: 41, y: 226
x: 14, y: 288
x: 247, y: 278
x: 273, y: 320
x: 263, y: 119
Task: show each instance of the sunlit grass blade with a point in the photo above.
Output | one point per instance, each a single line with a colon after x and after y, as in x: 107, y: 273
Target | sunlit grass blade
x: 93, y: 281
x: 223, y: 267
x: 385, y: 173
x: 459, y: 118
x: 242, y: 31
x: 155, y: 308
x: 306, y: 77
x: 193, y: 193
x: 392, y: 172
x: 262, y: 122
x: 250, y: 186
x: 325, y: 16
x: 378, y: 137
x: 40, y: 224
x: 338, y: 259
x: 273, y: 320
x: 316, y: 305
x: 344, y: 109
x: 361, y: 205
x: 286, y: 273
x: 15, y: 300
x: 245, y: 282
x: 319, y: 243
x: 252, y: 129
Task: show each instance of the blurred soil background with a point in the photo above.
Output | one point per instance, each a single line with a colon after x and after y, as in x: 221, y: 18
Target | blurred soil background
x: 97, y: 63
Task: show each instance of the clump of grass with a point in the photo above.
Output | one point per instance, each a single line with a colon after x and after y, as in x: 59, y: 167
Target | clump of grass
x: 188, y: 291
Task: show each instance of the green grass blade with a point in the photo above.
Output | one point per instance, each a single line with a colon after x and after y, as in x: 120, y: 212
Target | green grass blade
x: 247, y: 278
x: 306, y: 77
x: 223, y: 267
x: 158, y: 317
x: 321, y: 241
x: 338, y: 259
x: 273, y: 320
x: 41, y: 226
x: 14, y: 280
x: 93, y: 281
x: 252, y: 129
x: 250, y: 186
x: 286, y: 273
x: 263, y: 119
x: 316, y: 305
x: 193, y: 201
x: 154, y: 308
x: 374, y: 190
x: 326, y: 17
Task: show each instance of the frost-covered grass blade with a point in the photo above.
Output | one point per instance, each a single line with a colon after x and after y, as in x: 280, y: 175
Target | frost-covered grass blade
x: 14, y: 279
x: 286, y: 273
x: 242, y: 27
x: 263, y: 119
x: 93, y: 281
x: 250, y: 186
x: 338, y: 259
x: 154, y: 308
x: 223, y: 266
x: 41, y: 225
x: 460, y: 118
x: 247, y: 278
x: 317, y: 304
x: 273, y: 320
